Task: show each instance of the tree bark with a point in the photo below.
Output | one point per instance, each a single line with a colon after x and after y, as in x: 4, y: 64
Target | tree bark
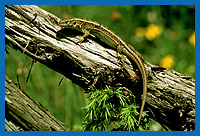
x: 23, y: 114
x: 92, y: 63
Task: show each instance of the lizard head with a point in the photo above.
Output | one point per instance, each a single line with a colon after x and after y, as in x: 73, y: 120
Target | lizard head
x: 68, y: 23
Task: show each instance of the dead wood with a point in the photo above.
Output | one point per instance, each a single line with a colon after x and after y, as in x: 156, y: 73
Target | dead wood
x: 35, y: 32
x: 23, y: 114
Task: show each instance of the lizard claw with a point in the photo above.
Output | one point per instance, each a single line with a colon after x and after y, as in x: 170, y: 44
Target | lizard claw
x: 80, y: 39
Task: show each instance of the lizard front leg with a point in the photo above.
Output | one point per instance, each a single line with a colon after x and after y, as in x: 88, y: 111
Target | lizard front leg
x: 82, y: 38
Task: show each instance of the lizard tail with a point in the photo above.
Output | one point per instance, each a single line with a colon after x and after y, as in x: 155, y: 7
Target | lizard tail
x: 143, y: 103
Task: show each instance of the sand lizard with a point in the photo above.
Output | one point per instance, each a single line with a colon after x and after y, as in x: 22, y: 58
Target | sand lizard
x: 89, y: 27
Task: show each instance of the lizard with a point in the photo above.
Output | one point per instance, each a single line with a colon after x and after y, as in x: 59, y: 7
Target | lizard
x: 89, y: 27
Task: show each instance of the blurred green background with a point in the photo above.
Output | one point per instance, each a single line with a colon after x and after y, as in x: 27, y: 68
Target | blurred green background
x: 164, y: 35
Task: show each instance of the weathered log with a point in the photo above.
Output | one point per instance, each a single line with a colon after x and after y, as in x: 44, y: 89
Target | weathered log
x: 24, y: 114
x: 35, y: 32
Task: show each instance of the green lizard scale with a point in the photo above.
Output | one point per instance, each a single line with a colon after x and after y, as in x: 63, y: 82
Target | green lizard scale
x: 87, y: 26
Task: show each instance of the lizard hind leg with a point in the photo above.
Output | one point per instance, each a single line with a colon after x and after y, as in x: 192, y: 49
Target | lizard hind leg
x: 119, y: 48
x: 122, y: 59
x: 119, y: 55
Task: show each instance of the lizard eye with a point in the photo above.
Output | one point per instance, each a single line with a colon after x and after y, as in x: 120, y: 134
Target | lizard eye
x: 74, y: 23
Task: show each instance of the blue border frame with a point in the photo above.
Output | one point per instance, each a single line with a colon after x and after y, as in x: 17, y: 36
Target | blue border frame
x: 97, y: 2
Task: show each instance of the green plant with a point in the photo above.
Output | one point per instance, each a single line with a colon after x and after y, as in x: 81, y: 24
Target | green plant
x: 110, y: 109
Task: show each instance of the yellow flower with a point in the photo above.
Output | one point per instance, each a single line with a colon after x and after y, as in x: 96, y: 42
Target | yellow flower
x: 167, y: 61
x: 152, y: 32
x: 192, y: 39
x: 140, y: 32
